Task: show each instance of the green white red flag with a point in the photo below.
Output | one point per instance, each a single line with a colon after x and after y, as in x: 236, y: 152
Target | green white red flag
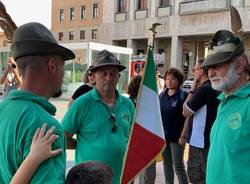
x: 147, y: 136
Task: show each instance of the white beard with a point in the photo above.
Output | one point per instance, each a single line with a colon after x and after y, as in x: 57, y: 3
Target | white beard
x: 227, y: 81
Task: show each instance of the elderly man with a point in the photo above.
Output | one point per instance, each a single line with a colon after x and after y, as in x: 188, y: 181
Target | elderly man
x: 101, y: 118
x: 41, y: 63
x: 228, y: 71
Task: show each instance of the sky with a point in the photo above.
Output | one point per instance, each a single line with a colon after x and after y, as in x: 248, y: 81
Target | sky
x: 23, y: 11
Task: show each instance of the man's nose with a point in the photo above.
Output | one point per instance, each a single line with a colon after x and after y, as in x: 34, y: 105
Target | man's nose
x: 109, y: 76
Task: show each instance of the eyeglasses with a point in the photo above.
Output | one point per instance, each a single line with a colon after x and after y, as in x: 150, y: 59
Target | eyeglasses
x: 90, y: 74
x: 112, y: 118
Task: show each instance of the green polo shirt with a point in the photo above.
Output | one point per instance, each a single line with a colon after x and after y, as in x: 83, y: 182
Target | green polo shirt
x: 88, y: 118
x: 229, y: 154
x: 21, y: 113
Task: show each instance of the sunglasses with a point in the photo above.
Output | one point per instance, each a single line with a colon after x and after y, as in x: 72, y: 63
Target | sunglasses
x: 90, y: 74
x: 112, y: 118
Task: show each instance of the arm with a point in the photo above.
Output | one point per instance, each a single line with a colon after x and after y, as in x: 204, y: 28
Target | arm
x: 70, y: 141
x: 17, y: 77
x: 71, y: 100
x: 184, y: 133
x: 40, y: 151
x: 186, y: 111
x: 4, y: 76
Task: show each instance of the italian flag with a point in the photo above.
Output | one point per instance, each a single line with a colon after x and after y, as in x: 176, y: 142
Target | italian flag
x: 147, y: 136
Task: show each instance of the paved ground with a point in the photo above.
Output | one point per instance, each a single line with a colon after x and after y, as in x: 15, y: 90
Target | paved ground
x: 61, y: 105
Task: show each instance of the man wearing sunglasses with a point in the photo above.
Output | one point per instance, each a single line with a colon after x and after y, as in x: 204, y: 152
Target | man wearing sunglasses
x: 101, y: 119
x: 228, y: 71
x: 201, y: 108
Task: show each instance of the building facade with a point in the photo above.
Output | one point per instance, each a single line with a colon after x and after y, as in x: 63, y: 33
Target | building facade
x: 187, y: 25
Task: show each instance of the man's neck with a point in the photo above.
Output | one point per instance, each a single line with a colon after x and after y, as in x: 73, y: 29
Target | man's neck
x: 204, y: 78
x: 108, y: 98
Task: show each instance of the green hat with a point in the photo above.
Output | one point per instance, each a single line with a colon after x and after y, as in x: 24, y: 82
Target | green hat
x: 35, y: 39
x: 224, y: 46
x: 106, y: 58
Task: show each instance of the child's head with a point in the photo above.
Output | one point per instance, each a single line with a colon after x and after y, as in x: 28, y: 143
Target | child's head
x: 92, y: 172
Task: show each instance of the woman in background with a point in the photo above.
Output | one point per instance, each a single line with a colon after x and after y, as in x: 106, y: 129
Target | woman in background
x: 88, y: 85
x: 171, y: 102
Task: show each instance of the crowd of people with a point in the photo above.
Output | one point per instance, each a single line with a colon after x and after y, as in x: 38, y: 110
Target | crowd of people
x: 213, y: 117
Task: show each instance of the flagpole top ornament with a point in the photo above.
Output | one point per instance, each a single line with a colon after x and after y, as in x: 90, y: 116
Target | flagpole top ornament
x: 154, y: 26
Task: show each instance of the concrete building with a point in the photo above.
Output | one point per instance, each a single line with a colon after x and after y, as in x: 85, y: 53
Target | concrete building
x: 187, y: 25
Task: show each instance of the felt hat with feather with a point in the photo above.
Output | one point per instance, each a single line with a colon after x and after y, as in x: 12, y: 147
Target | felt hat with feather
x: 35, y: 39
x: 226, y: 45
x: 31, y: 38
x: 223, y: 47
x: 106, y: 58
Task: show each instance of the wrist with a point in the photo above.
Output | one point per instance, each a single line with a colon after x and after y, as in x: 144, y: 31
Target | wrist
x: 191, y: 92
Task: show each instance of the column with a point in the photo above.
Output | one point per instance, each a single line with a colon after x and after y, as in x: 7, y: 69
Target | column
x: 176, y: 52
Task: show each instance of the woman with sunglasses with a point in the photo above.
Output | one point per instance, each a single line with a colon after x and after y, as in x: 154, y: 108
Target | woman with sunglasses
x: 88, y: 85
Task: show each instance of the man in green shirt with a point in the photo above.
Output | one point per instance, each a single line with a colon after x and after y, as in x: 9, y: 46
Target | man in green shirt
x: 40, y: 60
x: 228, y: 70
x: 102, y: 118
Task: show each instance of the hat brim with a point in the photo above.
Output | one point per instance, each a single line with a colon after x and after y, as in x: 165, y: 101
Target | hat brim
x: 36, y: 47
x: 120, y: 67
x: 217, y: 59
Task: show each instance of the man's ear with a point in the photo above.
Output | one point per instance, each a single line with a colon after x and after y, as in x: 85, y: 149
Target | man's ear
x: 239, y: 67
x: 52, y: 65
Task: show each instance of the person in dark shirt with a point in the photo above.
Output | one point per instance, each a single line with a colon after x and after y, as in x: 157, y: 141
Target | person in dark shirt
x: 133, y: 88
x: 88, y: 85
x: 201, y: 107
x: 171, y: 102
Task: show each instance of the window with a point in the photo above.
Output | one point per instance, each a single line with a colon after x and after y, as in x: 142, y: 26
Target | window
x: 60, y: 36
x: 121, y: 6
x: 61, y: 15
x: 83, y: 12
x: 94, y: 34
x: 95, y: 10
x: 142, y: 4
x: 164, y: 3
x: 71, y: 35
x: 82, y: 35
x: 71, y: 13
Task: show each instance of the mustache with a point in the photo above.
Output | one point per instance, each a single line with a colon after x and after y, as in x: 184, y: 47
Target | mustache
x: 215, y: 78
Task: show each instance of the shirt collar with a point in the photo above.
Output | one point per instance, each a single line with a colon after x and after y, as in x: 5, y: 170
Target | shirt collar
x: 96, y: 96
x: 242, y: 92
x: 26, y: 95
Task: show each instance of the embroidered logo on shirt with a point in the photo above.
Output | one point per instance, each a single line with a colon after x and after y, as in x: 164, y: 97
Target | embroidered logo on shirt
x: 174, y: 103
x: 234, y: 121
x: 125, y: 117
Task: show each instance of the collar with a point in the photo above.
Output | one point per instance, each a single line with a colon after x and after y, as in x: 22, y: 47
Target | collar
x: 96, y: 96
x: 28, y: 96
x: 242, y: 92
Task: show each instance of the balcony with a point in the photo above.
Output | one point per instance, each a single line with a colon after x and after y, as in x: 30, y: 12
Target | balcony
x: 163, y: 11
x: 120, y: 16
x: 141, y: 14
x: 200, y: 6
